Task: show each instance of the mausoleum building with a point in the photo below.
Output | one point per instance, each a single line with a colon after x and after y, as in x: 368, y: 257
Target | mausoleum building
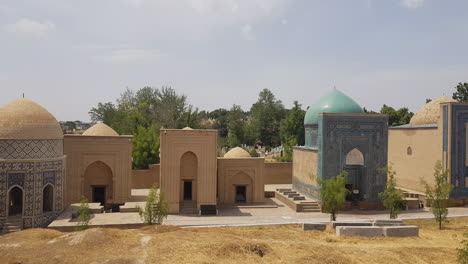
x: 32, y: 165
x: 340, y: 137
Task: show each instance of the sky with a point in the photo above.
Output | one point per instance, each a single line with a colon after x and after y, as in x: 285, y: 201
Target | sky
x: 68, y: 55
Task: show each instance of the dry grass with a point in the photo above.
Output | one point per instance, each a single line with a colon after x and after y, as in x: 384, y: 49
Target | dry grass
x: 272, y: 244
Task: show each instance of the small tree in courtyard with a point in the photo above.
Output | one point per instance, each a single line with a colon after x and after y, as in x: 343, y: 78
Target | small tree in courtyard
x: 156, y: 209
x: 437, y: 196
x: 84, y: 215
x: 463, y: 251
x: 333, y: 193
x: 391, y: 196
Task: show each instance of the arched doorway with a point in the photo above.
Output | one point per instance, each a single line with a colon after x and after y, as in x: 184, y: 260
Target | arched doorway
x: 98, y: 183
x: 15, y: 202
x: 188, y: 176
x: 48, y: 199
x: 355, y: 167
x: 241, y: 188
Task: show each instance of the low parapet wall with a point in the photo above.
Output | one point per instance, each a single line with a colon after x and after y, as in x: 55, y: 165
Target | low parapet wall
x: 278, y: 172
x: 143, y: 179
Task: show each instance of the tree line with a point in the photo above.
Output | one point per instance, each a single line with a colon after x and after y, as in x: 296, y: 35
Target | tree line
x: 268, y: 123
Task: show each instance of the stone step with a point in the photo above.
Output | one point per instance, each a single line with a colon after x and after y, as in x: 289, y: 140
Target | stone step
x: 311, y: 207
x: 12, y: 225
x: 291, y: 195
x: 311, y: 210
x: 9, y: 230
x: 298, y: 198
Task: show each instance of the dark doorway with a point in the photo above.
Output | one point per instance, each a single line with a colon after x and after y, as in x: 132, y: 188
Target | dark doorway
x: 99, y: 195
x: 15, y: 205
x: 187, y: 190
x: 48, y: 199
x: 241, y: 194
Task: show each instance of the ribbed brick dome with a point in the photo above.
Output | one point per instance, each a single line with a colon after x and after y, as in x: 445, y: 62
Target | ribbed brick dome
x: 100, y: 129
x: 237, y: 152
x: 429, y: 114
x: 25, y: 119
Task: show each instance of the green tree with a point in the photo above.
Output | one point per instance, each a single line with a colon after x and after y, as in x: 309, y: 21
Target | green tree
x: 221, y: 121
x: 104, y: 112
x: 369, y: 112
x: 235, y: 126
x: 333, y: 193
x: 437, y: 195
x: 398, y: 117
x: 70, y: 125
x: 293, y: 125
x: 145, y: 147
x: 288, y: 145
x: 191, y: 118
x: 170, y: 108
x: 84, y: 215
x: 156, y: 208
x: 266, y: 115
x: 463, y: 250
x: 253, y: 152
x: 461, y: 95
x: 391, y: 196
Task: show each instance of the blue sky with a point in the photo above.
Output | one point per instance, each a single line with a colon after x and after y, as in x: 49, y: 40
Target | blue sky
x: 69, y: 55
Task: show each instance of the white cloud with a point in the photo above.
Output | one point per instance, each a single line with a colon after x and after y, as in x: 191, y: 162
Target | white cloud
x: 30, y: 27
x: 130, y: 55
x: 412, y: 3
x: 284, y: 21
x: 215, y: 11
x: 247, y: 32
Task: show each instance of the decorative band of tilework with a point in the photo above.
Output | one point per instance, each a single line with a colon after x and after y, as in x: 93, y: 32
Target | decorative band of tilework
x: 31, y: 149
x: 306, y: 189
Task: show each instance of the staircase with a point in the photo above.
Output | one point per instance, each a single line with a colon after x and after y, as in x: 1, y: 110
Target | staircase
x: 297, y: 202
x: 12, y: 225
x: 312, y: 207
x: 188, y: 208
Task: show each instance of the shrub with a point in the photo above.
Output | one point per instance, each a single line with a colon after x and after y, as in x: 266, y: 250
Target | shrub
x: 463, y: 251
x: 391, y: 196
x: 333, y: 193
x: 84, y: 215
x: 438, y: 195
x: 156, y: 209
x: 253, y: 152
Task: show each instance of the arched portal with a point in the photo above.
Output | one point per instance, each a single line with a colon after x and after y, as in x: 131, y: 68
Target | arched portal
x: 98, y: 183
x: 188, y: 176
x: 240, y: 187
x: 48, y: 199
x: 355, y: 183
x: 15, y: 202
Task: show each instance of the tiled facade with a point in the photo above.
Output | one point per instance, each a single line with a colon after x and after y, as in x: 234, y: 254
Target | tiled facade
x: 31, y: 165
x: 11, y: 149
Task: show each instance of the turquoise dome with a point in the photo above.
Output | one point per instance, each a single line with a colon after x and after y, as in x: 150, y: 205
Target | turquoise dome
x: 333, y: 102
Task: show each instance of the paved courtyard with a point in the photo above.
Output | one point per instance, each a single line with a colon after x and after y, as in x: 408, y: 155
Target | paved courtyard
x: 274, y: 213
